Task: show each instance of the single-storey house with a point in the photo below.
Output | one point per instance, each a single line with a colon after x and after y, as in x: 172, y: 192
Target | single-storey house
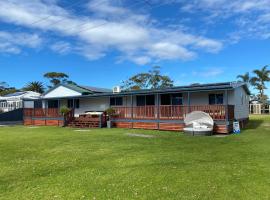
x: 14, y: 100
x: 161, y: 109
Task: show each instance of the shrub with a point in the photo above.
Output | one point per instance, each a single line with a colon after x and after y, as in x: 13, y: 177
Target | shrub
x: 64, y: 110
x: 110, y: 112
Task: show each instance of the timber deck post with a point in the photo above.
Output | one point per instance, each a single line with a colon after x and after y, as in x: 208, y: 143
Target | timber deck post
x: 188, y: 102
x: 226, y: 110
x: 158, y: 110
x: 131, y: 111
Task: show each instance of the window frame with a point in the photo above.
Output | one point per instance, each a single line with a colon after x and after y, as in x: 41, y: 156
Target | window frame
x: 73, y: 103
x: 114, y: 100
x: 146, y: 100
x: 217, y: 98
x: 53, y: 103
x: 70, y: 103
x: 172, y: 97
x: 77, y: 103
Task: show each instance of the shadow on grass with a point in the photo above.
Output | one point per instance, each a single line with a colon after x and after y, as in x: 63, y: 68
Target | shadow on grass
x: 254, y: 123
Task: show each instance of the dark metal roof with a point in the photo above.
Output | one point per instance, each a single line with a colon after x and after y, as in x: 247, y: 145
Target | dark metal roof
x: 189, y: 88
x: 95, y: 89
x: 15, y: 94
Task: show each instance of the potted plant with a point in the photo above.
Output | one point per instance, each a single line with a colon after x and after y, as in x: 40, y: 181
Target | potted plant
x: 110, y: 112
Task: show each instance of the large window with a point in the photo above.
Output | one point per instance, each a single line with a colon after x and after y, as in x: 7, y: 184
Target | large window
x: 177, y: 99
x: 145, y: 100
x: 38, y: 104
x: 215, y: 99
x: 165, y: 99
x: 73, y: 103
x: 116, y: 101
x: 70, y: 103
x: 172, y: 99
x: 77, y: 103
x: 53, y: 104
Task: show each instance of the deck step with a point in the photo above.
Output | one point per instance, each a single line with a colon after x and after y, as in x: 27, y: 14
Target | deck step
x: 77, y: 123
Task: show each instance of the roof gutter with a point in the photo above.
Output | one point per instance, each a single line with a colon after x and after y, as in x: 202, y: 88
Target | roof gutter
x: 171, y: 91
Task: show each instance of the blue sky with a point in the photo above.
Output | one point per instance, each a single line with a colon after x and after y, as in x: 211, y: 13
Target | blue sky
x: 102, y: 42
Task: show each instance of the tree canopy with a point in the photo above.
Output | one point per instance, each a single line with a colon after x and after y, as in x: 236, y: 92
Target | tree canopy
x: 56, y: 77
x: 258, y: 81
x: 148, y: 80
x: 6, y: 89
x: 35, y: 86
x: 245, y: 78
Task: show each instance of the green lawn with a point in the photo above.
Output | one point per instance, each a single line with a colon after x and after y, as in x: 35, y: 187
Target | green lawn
x: 60, y: 163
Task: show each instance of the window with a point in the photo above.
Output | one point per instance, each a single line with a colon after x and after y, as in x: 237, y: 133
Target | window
x: 140, y: 100
x: 38, y: 104
x: 219, y: 98
x: 116, y: 101
x: 215, y: 99
x: 77, y: 103
x: 165, y: 99
x: 53, y: 104
x: 177, y: 99
x: 172, y: 99
x: 150, y: 100
x: 145, y: 100
x: 70, y: 103
x: 73, y: 103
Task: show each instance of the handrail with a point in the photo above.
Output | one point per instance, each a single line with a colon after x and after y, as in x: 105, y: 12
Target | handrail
x: 172, y: 112
x: 41, y: 112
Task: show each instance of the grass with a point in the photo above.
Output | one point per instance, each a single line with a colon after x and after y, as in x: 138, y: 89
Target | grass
x: 60, y: 163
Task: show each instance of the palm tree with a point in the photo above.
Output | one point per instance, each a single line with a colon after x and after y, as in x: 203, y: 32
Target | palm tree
x: 245, y: 78
x: 35, y: 86
x: 261, y: 77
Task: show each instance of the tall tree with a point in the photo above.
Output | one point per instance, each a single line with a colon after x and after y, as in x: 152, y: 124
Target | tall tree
x: 151, y: 79
x: 261, y: 77
x: 56, y: 77
x: 35, y: 86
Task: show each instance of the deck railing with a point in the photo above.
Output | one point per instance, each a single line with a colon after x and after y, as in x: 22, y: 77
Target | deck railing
x: 164, y: 112
x: 41, y: 112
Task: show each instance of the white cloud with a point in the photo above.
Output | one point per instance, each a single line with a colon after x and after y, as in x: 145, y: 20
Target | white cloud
x: 14, y: 42
x: 106, y: 7
x: 248, y: 18
x: 166, y: 50
x: 225, y: 6
x: 141, y: 60
x: 61, y: 47
x: 134, y: 36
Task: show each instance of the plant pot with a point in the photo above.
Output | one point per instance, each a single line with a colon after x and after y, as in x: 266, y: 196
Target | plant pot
x: 109, y: 124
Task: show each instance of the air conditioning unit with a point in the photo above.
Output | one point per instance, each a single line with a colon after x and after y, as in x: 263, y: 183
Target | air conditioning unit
x: 116, y: 89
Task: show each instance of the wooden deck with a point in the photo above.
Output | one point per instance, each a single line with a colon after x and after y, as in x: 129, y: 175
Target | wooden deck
x: 52, y: 117
x: 43, y: 117
x: 171, y: 117
x: 146, y: 117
